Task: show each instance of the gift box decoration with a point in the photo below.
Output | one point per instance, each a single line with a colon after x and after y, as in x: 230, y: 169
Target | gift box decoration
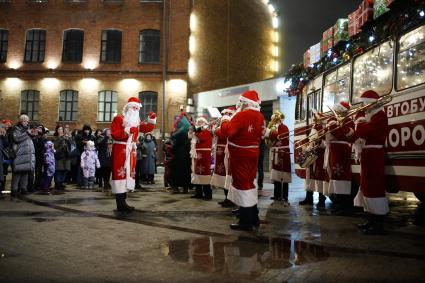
x: 315, y: 54
x: 366, y: 10
x: 380, y: 7
x: 340, y: 31
x: 307, y: 58
x: 353, y: 23
x: 327, y: 40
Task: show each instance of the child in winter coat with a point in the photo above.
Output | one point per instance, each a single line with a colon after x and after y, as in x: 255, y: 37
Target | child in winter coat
x: 49, y: 166
x: 89, y: 163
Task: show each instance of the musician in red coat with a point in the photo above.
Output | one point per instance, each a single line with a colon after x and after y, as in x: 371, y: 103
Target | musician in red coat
x: 337, y: 159
x: 371, y: 132
x: 281, y: 158
x: 201, y: 159
x: 244, y: 132
x: 221, y: 158
x: 124, y: 132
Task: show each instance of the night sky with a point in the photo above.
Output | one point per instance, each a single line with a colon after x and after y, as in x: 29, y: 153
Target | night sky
x: 302, y: 23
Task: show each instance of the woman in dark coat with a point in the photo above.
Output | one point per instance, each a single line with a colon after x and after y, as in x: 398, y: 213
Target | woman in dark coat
x: 148, y: 159
x: 24, y: 161
x: 181, y: 162
x: 63, y: 163
x: 104, y: 153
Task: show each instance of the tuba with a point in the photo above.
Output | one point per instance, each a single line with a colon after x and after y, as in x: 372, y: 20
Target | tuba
x: 276, y: 119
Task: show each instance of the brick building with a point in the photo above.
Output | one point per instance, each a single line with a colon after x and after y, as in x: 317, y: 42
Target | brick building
x: 78, y: 61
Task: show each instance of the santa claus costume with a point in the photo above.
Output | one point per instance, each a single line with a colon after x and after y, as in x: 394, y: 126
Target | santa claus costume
x: 317, y: 174
x: 221, y: 159
x: 244, y: 132
x: 337, y: 159
x: 371, y: 132
x: 124, y: 132
x: 201, y: 159
x: 280, y: 158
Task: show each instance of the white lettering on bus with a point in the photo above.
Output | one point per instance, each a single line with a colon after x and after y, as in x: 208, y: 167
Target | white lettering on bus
x: 394, y: 138
x: 422, y: 103
x: 418, y: 140
x: 389, y: 111
x: 396, y: 108
x: 405, y: 135
x: 414, y: 106
x: 404, y: 108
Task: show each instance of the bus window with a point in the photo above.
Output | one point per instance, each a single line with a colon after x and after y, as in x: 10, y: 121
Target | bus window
x: 411, y: 58
x: 374, y: 70
x: 303, y: 104
x: 337, y: 87
x: 313, y: 102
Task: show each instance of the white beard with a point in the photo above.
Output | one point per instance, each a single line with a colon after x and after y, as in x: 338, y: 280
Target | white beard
x: 131, y: 118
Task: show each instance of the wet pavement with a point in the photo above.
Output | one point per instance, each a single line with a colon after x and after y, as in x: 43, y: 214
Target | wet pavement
x: 77, y: 236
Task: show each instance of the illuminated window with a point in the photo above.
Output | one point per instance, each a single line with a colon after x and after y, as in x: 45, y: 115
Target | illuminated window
x: 35, y: 46
x: 29, y: 103
x: 149, y: 101
x: 68, y: 105
x: 337, y: 87
x: 73, y: 46
x: 314, y: 102
x: 374, y: 71
x: 149, y: 48
x: 411, y: 58
x: 107, y: 105
x: 4, y: 34
x: 111, y: 46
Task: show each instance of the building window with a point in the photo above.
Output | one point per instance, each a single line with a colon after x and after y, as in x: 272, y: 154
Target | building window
x: 111, y: 46
x: 73, y: 46
x: 35, y: 46
x: 107, y: 105
x: 29, y: 103
x: 149, y: 46
x: 149, y: 101
x: 4, y: 34
x: 68, y: 106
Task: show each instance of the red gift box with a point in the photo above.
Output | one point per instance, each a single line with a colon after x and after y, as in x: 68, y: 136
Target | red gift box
x: 328, y: 40
x: 366, y: 11
x: 353, y: 23
x: 307, y: 58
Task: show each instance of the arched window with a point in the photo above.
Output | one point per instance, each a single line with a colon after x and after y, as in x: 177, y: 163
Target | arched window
x: 149, y: 101
x: 107, y: 105
x: 72, y: 46
x: 4, y: 39
x: 111, y: 46
x: 29, y: 103
x: 68, y: 105
x: 149, y: 48
x: 35, y: 45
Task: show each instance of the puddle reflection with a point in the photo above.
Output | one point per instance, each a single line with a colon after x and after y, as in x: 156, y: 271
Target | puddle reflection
x: 242, y: 257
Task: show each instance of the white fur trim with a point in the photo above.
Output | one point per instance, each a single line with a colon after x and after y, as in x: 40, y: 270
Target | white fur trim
x: 280, y: 176
x: 201, y: 119
x: 218, y: 181
x: 318, y: 186
x: 228, y: 182
x: 326, y: 188
x: 309, y: 185
x: 121, y: 186
x: 201, y: 179
x: 152, y: 121
x: 225, y: 118
x: 340, y: 187
x: 331, y: 123
x: 243, y: 198
x: 378, y: 206
x: 249, y: 101
x: 127, y: 130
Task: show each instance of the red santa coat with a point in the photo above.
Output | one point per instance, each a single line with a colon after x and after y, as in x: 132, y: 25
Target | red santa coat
x: 123, y: 157
x: 317, y: 173
x: 221, y: 159
x: 244, y: 132
x: 201, y: 157
x: 371, y: 195
x: 281, y: 158
x: 146, y: 127
x: 337, y: 160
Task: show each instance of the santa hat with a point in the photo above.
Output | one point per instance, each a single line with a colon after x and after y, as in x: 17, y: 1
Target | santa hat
x: 342, y: 107
x: 201, y: 119
x: 132, y: 101
x: 7, y: 121
x: 251, y: 98
x: 369, y: 96
x: 228, y: 111
x: 152, y: 118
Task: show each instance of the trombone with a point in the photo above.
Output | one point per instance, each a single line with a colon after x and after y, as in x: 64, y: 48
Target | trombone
x: 341, y: 117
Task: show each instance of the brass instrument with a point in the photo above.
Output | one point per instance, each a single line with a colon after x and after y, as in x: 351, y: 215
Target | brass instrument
x: 341, y: 116
x: 276, y: 118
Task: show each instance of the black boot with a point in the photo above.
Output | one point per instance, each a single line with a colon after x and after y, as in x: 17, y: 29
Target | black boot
x: 225, y: 197
x: 254, y: 215
x: 377, y: 227
x: 308, y: 199
x: 322, y: 200
x: 207, y: 192
x: 277, y: 191
x: 245, y: 221
x: 198, y: 192
x: 121, y: 205
x: 366, y: 224
x: 125, y: 203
